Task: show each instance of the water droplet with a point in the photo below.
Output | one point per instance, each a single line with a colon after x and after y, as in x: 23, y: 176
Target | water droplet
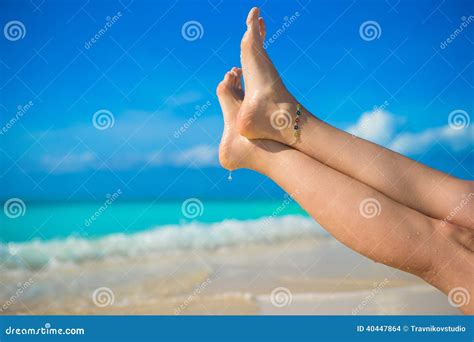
x: 229, y: 178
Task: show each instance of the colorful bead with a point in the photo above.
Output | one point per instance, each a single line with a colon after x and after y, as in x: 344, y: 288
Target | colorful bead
x: 296, y: 126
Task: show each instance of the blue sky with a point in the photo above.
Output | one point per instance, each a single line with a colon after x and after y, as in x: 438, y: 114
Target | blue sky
x: 152, y: 80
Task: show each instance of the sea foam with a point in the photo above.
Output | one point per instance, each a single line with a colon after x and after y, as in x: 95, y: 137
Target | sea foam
x: 170, y: 238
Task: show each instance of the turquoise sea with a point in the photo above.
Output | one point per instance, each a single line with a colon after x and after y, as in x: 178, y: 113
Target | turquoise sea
x: 39, y: 234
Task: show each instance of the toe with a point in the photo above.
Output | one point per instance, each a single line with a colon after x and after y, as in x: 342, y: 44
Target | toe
x: 234, y: 73
x: 257, y: 67
x: 252, y: 35
x: 223, y: 87
x: 228, y: 93
x: 237, y: 83
x: 262, y: 28
x: 228, y: 78
x: 235, y: 77
x: 252, y: 18
x: 239, y: 78
x: 238, y: 71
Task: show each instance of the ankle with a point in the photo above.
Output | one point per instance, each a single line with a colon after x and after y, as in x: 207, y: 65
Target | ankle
x: 265, y: 155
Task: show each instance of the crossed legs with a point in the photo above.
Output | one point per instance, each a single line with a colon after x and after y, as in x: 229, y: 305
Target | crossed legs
x: 330, y: 174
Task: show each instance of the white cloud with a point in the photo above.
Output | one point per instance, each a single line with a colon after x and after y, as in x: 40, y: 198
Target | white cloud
x: 138, y: 138
x: 380, y: 127
x: 414, y: 143
x: 196, y: 156
x: 199, y: 156
x: 185, y: 98
x: 71, y: 162
x: 377, y: 126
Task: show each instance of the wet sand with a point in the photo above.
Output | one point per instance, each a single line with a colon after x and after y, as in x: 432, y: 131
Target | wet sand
x: 312, y: 276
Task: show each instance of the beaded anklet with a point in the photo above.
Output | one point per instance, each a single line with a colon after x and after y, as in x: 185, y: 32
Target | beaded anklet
x: 297, y: 125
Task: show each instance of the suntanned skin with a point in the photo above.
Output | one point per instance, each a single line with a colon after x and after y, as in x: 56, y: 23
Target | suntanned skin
x: 330, y: 173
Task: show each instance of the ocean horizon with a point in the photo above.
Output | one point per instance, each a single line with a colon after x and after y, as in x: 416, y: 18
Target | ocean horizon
x: 117, y: 201
x: 50, y: 233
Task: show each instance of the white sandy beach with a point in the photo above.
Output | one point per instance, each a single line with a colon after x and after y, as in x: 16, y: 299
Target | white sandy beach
x: 296, y: 277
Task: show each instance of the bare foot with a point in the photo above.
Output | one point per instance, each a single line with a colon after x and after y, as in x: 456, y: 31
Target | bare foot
x: 234, y: 150
x: 268, y: 110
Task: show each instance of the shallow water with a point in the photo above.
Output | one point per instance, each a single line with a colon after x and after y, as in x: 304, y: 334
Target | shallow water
x: 205, y: 258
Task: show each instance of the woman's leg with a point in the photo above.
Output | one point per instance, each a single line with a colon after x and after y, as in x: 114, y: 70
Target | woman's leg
x: 357, y: 215
x: 268, y: 111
